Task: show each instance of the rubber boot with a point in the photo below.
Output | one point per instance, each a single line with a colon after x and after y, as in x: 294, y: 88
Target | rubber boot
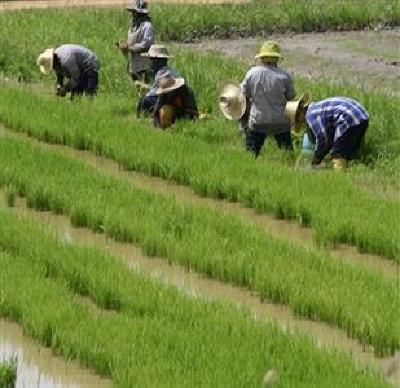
x: 339, y: 164
x: 166, y: 116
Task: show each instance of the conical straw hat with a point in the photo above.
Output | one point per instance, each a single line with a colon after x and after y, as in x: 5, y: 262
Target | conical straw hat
x: 292, y: 108
x: 45, y: 61
x: 232, y: 102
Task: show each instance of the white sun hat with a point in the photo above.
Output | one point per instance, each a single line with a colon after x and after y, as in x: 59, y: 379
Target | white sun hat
x: 157, y: 51
x: 45, y: 61
x: 232, y: 102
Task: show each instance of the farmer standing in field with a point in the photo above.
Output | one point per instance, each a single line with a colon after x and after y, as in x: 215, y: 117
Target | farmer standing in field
x: 140, y: 38
x: 158, y: 56
x: 175, y: 100
x: 76, y: 63
x: 267, y: 89
x: 336, y: 125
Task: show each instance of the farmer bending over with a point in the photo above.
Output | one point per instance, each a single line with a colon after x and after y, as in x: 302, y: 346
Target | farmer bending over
x: 76, y: 63
x: 158, y: 55
x: 267, y: 89
x: 140, y: 38
x: 337, y: 125
x: 175, y: 101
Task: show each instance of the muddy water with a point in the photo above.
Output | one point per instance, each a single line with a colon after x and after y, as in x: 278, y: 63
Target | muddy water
x: 282, y: 229
x: 194, y: 285
x: 38, y: 367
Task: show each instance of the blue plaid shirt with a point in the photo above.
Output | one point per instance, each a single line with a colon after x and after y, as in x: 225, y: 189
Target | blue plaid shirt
x: 329, y: 119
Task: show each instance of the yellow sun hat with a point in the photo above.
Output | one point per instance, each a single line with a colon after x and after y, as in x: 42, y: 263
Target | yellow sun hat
x: 45, y: 61
x: 232, y: 102
x: 270, y: 49
x: 292, y: 110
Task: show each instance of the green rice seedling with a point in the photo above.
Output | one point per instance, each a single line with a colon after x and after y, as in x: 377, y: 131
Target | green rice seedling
x: 323, y: 201
x: 8, y: 373
x: 10, y: 195
x: 216, y: 245
x: 158, y: 336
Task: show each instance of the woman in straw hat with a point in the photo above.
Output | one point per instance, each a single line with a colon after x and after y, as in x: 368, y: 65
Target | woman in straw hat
x: 267, y: 89
x: 175, y: 101
x: 336, y: 125
x: 77, y: 63
x: 158, y: 56
x: 140, y: 38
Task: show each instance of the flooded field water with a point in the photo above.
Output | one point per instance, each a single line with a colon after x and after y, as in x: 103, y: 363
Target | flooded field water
x: 38, y: 367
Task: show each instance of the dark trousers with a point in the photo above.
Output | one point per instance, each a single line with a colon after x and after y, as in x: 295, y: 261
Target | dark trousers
x: 146, y: 105
x: 348, y: 144
x: 88, y: 83
x: 255, y: 141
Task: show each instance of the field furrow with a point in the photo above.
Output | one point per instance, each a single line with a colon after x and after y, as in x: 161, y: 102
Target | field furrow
x: 323, y: 201
x: 150, y: 325
x: 358, y: 300
x: 197, y: 286
x: 280, y: 229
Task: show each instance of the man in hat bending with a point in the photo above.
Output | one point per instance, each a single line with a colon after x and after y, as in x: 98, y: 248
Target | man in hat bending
x: 267, y: 89
x: 336, y: 125
x: 175, y: 100
x: 158, y: 56
x: 76, y: 63
x: 140, y: 38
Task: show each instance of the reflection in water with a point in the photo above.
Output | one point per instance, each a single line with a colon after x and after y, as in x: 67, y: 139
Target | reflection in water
x: 38, y: 367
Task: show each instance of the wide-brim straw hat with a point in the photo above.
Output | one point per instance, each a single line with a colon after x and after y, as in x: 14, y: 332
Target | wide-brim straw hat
x: 45, y: 61
x: 292, y: 109
x: 139, y: 6
x: 269, y: 49
x: 168, y: 83
x: 232, y: 102
x: 157, y: 51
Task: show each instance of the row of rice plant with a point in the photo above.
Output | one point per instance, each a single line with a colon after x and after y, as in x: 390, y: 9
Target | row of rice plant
x: 8, y: 373
x: 181, y: 22
x: 323, y: 201
x: 143, y: 333
x: 313, y: 284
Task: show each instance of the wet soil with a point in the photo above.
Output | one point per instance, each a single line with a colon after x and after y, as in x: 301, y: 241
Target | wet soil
x: 280, y: 229
x: 38, y: 367
x: 194, y: 285
x: 366, y: 59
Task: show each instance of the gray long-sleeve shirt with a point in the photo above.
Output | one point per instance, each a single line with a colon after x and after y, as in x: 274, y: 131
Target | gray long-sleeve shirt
x: 140, y: 38
x: 74, y: 61
x: 268, y: 88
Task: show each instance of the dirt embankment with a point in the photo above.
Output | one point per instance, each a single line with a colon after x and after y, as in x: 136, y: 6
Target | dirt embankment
x: 41, y: 4
x: 367, y: 59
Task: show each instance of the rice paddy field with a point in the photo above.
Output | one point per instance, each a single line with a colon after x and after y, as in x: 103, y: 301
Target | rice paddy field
x: 133, y: 257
